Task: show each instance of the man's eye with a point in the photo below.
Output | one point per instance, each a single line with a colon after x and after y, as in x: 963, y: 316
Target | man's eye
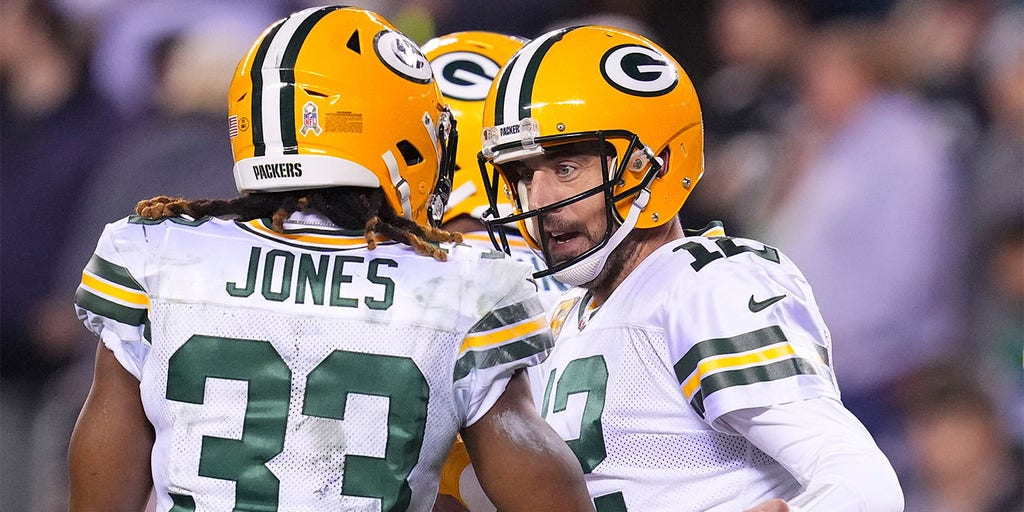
x: 565, y: 170
x: 526, y: 176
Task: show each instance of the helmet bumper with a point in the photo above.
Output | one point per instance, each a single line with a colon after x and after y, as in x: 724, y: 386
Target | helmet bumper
x: 292, y: 172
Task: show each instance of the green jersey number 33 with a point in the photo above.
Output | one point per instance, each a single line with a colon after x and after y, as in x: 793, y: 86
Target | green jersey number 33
x: 327, y: 387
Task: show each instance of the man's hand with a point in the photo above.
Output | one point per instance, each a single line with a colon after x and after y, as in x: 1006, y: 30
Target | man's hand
x: 771, y: 506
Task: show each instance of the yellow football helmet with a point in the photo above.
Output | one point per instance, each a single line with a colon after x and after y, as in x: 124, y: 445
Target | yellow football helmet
x: 337, y: 96
x: 465, y: 64
x: 596, y: 83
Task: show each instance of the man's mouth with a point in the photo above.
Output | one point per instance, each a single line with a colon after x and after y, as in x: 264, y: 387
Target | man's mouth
x: 563, y: 237
x: 563, y: 245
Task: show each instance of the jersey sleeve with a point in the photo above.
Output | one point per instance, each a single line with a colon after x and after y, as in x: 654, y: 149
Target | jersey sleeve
x: 745, y: 332
x: 112, y: 301
x: 513, y: 334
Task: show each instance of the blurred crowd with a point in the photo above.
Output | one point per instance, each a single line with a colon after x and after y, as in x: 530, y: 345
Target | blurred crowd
x: 880, y: 144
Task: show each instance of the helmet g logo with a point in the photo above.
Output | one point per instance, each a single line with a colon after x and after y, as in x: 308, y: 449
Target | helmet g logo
x: 402, y: 56
x: 465, y: 75
x: 638, y: 70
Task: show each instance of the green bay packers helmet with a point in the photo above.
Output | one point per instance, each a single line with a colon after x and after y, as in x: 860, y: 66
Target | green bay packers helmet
x: 465, y: 64
x: 337, y: 96
x: 595, y: 83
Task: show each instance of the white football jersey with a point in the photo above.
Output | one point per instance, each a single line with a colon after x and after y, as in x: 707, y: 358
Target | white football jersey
x: 302, y: 371
x: 702, y: 327
x: 549, y: 289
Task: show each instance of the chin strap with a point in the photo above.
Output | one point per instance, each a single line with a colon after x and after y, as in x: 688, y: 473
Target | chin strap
x: 587, y: 269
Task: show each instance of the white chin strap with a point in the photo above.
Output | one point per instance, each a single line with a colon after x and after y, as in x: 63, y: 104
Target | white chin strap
x: 587, y: 269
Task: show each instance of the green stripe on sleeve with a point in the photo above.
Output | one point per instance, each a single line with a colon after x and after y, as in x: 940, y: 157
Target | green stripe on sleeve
x: 718, y: 346
x: 509, y: 315
x: 112, y: 310
x: 823, y: 353
x: 764, y: 373
x: 113, y: 273
x: 508, y: 353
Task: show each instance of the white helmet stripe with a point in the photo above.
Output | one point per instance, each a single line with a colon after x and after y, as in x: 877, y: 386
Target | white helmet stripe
x: 516, y: 85
x: 275, y: 86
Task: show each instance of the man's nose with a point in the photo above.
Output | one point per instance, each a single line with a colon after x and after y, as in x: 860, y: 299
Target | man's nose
x: 543, y: 190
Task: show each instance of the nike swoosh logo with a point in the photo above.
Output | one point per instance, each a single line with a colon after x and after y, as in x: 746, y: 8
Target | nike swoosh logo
x: 756, y: 306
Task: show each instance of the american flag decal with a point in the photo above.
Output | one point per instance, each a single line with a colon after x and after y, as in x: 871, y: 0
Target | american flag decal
x: 232, y: 126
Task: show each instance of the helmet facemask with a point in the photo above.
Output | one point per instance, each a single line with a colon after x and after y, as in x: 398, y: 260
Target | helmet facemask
x: 464, y: 65
x: 448, y: 142
x: 585, y: 267
x: 603, y: 84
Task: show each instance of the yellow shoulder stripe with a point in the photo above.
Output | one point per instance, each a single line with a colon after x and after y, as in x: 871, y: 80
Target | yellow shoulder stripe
x: 503, y: 334
x: 114, y: 290
x: 711, y: 365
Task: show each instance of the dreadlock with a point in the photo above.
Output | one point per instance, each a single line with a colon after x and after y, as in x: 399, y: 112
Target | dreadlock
x: 347, y: 207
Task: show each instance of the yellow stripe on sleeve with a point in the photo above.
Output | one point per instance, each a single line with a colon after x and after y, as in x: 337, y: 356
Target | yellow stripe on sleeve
x: 723, y: 363
x: 502, y: 335
x: 115, y: 291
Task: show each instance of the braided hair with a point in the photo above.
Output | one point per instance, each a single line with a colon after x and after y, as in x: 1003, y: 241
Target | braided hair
x: 347, y: 207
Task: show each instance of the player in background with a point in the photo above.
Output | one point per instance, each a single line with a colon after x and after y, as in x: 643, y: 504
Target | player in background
x: 464, y: 65
x: 316, y: 343
x: 690, y: 371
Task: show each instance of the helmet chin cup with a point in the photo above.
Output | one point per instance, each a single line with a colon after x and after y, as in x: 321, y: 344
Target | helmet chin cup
x: 589, y: 268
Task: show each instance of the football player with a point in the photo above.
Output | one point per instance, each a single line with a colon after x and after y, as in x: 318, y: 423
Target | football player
x: 690, y: 371
x: 465, y: 64
x: 303, y: 347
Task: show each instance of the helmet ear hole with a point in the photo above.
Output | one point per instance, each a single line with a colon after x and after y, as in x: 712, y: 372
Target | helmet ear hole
x: 665, y: 154
x: 409, y: 152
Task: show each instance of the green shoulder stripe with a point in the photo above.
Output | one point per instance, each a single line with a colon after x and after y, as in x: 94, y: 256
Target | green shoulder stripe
x: 762, y: 373
x: 823, y: 354
x: 105, y: 308
x: 522, y: 349
x: 113, y: 273
x: 719, y: 346
x: 509, y: 315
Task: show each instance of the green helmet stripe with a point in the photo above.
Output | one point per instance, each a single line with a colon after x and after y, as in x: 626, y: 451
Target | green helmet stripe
x: 516, y: 86
x: 289, y: 141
